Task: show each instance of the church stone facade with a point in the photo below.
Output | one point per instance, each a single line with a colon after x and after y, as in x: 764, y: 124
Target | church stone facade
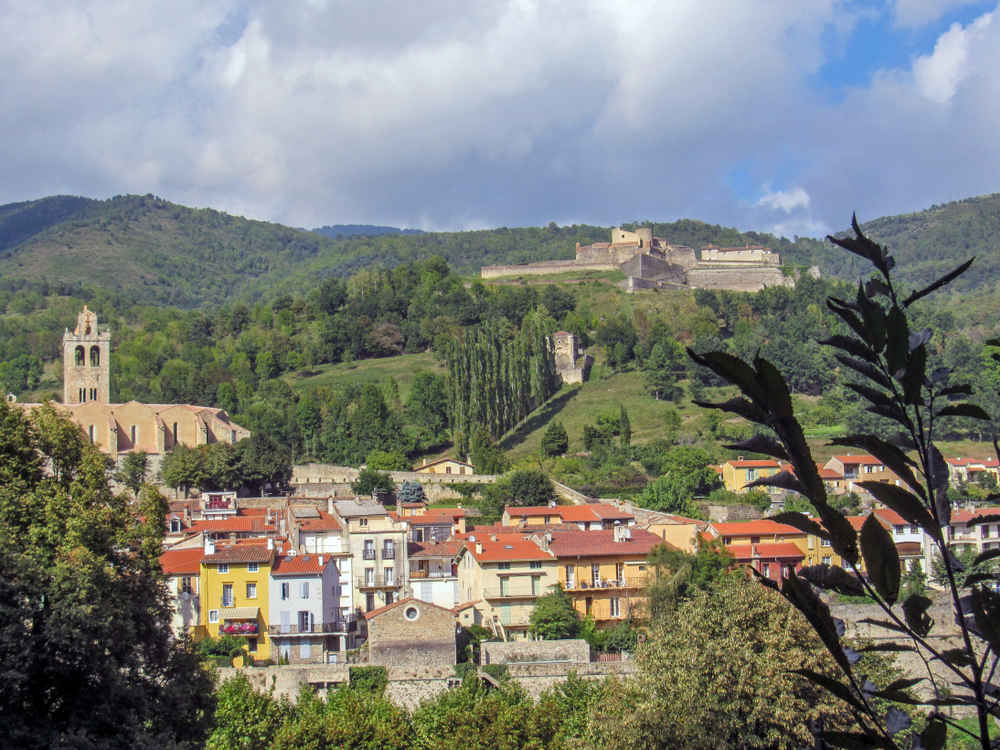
x: 117, y: 429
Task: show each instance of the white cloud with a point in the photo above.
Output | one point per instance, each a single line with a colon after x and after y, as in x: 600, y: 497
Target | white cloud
x: 785, y: 200
x: 916, y: 13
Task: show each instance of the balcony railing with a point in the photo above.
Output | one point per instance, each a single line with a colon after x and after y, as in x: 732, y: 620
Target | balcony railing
x: 336, y: 626
x: 388, y: 553
x: 238, y: 628
x: 629, y: 582
x: 379, y: 582
x: 432, y: 574
x: 368, y: 554
x: 509, y: 594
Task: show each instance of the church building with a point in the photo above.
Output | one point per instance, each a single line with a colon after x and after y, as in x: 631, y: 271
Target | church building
x: 117, y: 429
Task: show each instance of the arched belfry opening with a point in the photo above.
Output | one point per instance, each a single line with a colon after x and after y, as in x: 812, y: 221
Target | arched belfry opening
x: 78, y: 357
x: 95, y: 356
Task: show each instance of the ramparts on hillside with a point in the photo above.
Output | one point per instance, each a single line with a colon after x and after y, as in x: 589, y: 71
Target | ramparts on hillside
x: 651, y: 262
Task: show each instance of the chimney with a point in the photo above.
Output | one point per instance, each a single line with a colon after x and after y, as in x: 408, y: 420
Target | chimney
x: 319, y: 559
x: 622, y: 534
x: 209, y: 546
x: 479, y: 548
x: 270, y: 543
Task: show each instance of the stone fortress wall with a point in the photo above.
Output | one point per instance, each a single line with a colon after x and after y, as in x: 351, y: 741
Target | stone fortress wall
x: 652, y: 262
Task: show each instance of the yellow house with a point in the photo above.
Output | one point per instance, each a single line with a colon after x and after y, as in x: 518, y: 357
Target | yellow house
x: 766, y: 531
x: 604, y: 572
x: 738, y: 473
x: 820, y: 552
x: 445, y: 466
x: 502, y: 575
x: 234, y: 593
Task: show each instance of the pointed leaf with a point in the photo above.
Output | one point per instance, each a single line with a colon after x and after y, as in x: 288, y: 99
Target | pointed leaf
x: 733, y: 370
x: 881, y: 559
x: 864, y: 367
x: 871, y: 395
x: 905, y: 503
x: 832, y: 577
x: 984, y: 556
x: 887, y: 624
x: 849, y: 345
x: 887, y: 647
x: 783, y: 479
x: 740, y: 406
x: 986, y: 610
x: 934, y: 735
x: 832, y: 686
x: 774, y: 385
x: 946, y: 279
x: 956, y: 390
x: 846, y: 313
x: 851, y: 740
x: 913, y: 378
x: 800, y: 521
x: 991, y: 518
x: 963, y: 410
x: 915, y: 611
x: 896, y: 720
x: 898, y: 340
x: 760, y: 444
x: 817, y: 613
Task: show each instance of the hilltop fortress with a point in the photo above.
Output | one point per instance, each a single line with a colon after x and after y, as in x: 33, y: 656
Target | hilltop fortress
x: 650, y: 262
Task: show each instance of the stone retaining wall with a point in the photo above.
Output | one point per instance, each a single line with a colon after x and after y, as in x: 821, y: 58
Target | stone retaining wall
x: 540, y: 269
x: 571, y: 650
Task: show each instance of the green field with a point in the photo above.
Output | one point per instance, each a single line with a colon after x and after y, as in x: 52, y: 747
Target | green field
x: 403, y: 368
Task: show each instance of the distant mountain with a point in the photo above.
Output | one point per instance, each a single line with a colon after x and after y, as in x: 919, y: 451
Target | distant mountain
x: 361, y: 230
x: 163, y: 253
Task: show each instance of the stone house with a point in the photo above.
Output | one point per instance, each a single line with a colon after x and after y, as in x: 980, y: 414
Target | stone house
x: 445, y: 466
x: 181, y: 568
x: 586, y: 517
x: 412, y: 633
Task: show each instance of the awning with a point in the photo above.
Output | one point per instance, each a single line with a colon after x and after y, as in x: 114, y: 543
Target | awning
x: 238, y: 613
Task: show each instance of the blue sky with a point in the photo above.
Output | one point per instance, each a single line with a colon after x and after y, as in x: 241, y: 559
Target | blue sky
x: 777, y: 115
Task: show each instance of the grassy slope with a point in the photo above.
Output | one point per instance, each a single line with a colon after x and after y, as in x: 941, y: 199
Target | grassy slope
x: 403, y: 368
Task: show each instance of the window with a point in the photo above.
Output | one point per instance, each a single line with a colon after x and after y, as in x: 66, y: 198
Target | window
x: 175, y: 525
x: 252, y: 645
x: 227, y: 595
x: 368, y: 553
x: 362, y: 522
x: 90, y: 433
x: 824, y: 543
x: 305, y: 589
x: 388, y: 550
x: 727, y: 540
x: 504, y: 586
x: 78, y: 356
x: 213, y: 615
x: 251, y: 590
x: 826, y: 559
x: 411, y: 613
x: 615, y: 607
x: 93, y: 394
x: 389, y: 576
x: 232, y: 437
x: 595, y: 573
x: 186, y: 585
x: 535, y: 565
x: 589, y: 604
x: 175, y: 433
x: 305, y: 621
x: 766, y: 570
x: 570, y: 576
x: 253, y: 567
x: 369, y: 602
x: 504, y: 566
x: 223, y: 567
x: 755, y: 540
x: 285, y: 593
x: 534, y: 585
x: 95, y: 356
x: 418, y: 535
x: 132, y: 434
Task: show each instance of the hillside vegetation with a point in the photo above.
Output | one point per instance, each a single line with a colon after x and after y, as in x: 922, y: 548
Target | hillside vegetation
x: 146, y: 248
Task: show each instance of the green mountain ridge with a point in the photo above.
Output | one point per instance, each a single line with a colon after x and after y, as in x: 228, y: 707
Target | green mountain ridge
x: 166, y: 254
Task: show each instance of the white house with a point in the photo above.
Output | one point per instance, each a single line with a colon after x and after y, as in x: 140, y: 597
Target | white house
x: 304, y: 600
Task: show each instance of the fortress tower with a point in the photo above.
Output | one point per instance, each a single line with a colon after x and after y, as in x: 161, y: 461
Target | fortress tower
x: 87, y: 361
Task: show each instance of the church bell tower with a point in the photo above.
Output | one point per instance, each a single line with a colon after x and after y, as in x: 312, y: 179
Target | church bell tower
x: 86, y: 361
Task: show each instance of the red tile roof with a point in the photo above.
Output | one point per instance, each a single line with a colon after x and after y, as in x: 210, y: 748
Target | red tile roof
x: 177, y: 562
x: 749, y: 463
x: 602, y: 544
x: 239, y: 553
x: 571, y: 513
x: 774, y: 551
x: 862, y: 458
x: 753, y: 528
x: 506, y: 548
x: 299, y: 565
x: 890, y: 517
x: 964, y: 516
x: 447, y: 548
x: 325, y: 522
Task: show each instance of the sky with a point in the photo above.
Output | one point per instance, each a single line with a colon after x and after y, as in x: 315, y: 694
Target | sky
x: 781, y: 116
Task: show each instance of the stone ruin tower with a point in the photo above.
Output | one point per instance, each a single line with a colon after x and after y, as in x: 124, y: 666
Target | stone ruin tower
x: 87, y: 361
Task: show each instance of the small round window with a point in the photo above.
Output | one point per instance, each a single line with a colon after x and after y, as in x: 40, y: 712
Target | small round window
x: 411, y: 613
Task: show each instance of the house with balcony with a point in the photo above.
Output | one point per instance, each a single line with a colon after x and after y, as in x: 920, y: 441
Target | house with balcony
x: 434, y: 572
x: 604, y: 572
x: 773, y: 549
x: 182, y: 569
x: 773, y: 560
x: 305, y: 624
x: 502, y: 575
x: 819, y: 551
x: 851, y: 469
x: 984, y: 471
x: 908, y: 538
x: 430, y: 524
x: 377, y: 544
x: 965, y: 532
x: 235, y: 581
x: 446, y: 465
x: 315, y: 531
x: 585, y: 517
x: 738, y: 473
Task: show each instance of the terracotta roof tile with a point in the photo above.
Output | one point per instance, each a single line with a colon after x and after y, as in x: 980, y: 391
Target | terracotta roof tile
x: 447, y: 548
x: 297, y: 565
x: 602, y: 543
x: 400, y: 603
x: 774, y: 551
x: 325, y: 522
x: 506, y: 548
x: 753, y: 528
x: 240, y: 553
x: 181, y: 561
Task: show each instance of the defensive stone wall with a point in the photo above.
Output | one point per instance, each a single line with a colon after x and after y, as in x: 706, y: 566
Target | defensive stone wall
x: 546, y: 267
x: 568, y: 650
x: 737, y: 512
x: 652, y: 267
x: 747, y: 255
x: 331, y: 473
x: 738, y: 279
x: 408, y: 686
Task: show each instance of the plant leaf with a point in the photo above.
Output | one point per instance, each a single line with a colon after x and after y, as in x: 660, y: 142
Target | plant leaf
x: 851, y: 740
x: 887, y: 647
x: 760, y: 444
x: 818, y: 614
x: 905, y: 503
x: 849, y: 345
x: 783, y: 479
x: 800, y: 521
x: 898, y: 339
x: 881, y: 559
x: 946, y: 279
x: 934, y: 735
x: 963, y: 410
x: 832, y: 577
x: 915, y: 611
x: 914, y: 375
x: 733, y: 370
x: 891, y: 456
x: 741, y: 406
x: 778, y: 398
x: 835, y: 687
x: 865, y: 368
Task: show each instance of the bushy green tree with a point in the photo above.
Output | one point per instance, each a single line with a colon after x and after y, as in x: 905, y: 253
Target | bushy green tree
x: 555, y: 441
x: 554, y: 616
x: 133, y: 470
x: 370, y: 481
x: 86, y: 650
